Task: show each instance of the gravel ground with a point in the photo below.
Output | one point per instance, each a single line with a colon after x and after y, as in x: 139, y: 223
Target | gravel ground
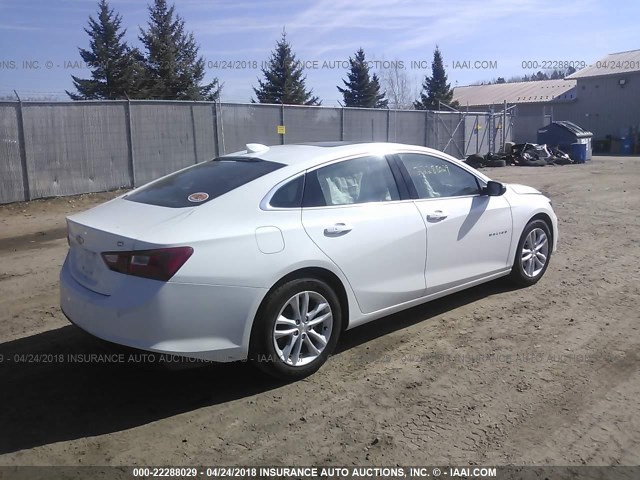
x: 492, y: 375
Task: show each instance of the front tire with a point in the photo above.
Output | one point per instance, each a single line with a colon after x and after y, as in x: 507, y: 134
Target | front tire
x: 296, y: 329
x: 533, y: 254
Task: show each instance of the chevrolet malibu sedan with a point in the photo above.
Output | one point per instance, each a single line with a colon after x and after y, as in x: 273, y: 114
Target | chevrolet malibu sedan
x: 270, y: 253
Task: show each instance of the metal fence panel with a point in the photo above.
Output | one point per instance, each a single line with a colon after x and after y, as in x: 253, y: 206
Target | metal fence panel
x: 431, y: 134
x: 407, y: 126
x: 11, y: 181
x: 204, y: 131
x: 445, y: 132
x: 162, y: 137
x: 242, y: 124
x: 75, y: 148
x: 476, y: 129
x: 456, y: 136
x: 365, y: 125
x: 508, y: 132
x: 312, y: 124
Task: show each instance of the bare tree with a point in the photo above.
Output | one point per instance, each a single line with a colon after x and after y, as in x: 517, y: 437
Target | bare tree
x: 398, y: 86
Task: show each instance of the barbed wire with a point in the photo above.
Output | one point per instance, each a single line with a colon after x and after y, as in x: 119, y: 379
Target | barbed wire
x: 7, y: 93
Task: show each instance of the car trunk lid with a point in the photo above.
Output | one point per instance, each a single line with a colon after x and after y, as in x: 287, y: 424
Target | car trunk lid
x: 111, y: 227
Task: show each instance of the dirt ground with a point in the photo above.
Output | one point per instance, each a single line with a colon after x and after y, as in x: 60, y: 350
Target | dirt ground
x: 491, y: 376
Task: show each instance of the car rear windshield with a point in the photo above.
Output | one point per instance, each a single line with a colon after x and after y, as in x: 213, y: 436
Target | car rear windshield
x: 204, y: 182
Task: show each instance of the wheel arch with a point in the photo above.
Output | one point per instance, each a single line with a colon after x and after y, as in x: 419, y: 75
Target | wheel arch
x: 516, y: 274
x: 540, y: 215
x: 546, y: 219
x: 318, y: 273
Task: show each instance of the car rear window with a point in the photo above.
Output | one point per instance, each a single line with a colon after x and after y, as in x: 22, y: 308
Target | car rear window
x: 203, y: 182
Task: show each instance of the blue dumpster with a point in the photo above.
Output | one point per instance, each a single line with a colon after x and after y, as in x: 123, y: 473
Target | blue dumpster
x: 563, y: 135
x: 578, y: 152
x: 626, y: 145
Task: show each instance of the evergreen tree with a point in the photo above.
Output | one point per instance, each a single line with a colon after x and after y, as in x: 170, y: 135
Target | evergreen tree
x: 115, y: 70
x: 284, y: 79
x: 173, y: 68
x: 435, y: 89
x: 548, y: 75
x: 362, y: 90
x: 541, y: 76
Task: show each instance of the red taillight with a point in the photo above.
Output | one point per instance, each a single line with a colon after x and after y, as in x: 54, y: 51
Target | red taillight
x: 160, y: 264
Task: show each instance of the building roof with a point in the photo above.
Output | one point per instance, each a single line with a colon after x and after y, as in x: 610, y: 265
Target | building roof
x: 613, y: 64
x: 541, y: 91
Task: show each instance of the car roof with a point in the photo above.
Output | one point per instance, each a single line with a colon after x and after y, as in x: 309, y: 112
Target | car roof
x: 303, y: 156
x: 308, y: 155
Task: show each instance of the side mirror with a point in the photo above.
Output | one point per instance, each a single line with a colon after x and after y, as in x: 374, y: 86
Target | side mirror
x: 494, y: 189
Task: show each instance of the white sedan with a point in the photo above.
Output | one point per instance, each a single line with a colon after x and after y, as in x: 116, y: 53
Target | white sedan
x: 270, y: 253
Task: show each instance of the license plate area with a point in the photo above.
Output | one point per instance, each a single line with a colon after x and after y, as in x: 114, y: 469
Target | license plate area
x: 86, y: 262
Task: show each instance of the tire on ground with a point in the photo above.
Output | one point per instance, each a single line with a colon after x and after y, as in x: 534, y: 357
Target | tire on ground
x: 532, y: 163
x: 475, y: 160
x: 262, y: 352
x: 496, y: 163
x: 518, y: 275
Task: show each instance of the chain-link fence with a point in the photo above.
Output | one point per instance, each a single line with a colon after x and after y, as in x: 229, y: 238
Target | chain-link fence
x: 65, y: 148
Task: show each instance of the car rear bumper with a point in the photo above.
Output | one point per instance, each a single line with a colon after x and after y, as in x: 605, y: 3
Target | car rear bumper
x: 209, y: 322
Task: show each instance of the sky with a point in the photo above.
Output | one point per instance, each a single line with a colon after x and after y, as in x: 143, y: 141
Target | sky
x: 479, y: 40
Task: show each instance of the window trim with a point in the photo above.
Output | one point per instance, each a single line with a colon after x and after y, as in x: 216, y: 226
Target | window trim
x: 411, y: 185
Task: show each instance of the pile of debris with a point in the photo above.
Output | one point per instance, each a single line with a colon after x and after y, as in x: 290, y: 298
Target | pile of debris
x: 521, y: 154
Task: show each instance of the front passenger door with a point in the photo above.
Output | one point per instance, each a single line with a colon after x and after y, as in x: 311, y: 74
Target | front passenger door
x: 468, y: 234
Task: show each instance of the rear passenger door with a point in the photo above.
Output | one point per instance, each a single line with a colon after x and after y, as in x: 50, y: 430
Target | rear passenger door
x: 353, y: 211
x: 468, y: 234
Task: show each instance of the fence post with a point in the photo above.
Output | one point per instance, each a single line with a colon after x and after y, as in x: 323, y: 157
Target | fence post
x: 132, y: 160
x: 438, y: 120
x: 388, y: 123
x: 491, y: 130
x: 426, y: 127
x: 282, y: 139
x: 215, y: 128
x: 23, y: 151
x: 342, y: 124
x: 195, y: 142
x: 504, y: 124
x: 220, y: 119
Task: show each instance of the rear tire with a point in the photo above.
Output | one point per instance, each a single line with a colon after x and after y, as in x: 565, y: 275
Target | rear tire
x: 296, y: 329
x: 533, y: 254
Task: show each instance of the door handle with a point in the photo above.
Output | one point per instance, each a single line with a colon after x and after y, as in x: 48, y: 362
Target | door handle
x: 436, y: 216
x: 337, y: 230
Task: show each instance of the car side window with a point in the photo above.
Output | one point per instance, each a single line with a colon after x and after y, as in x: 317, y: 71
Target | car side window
x: 434, y: 177
x: 289, y: 195
x: 361, y: 180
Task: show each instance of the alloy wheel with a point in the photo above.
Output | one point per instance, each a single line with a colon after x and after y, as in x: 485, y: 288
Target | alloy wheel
x: 303, y: 328
x: 535, y: 252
